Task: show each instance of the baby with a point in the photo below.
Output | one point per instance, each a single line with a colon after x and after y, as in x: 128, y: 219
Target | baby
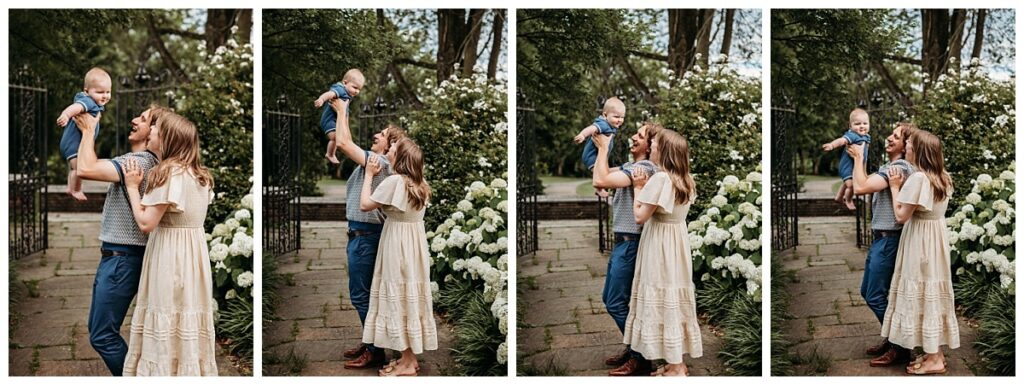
x: 858, y: 133
x: 612, y: 115
x: 349, y: 87
x: 96, y: 95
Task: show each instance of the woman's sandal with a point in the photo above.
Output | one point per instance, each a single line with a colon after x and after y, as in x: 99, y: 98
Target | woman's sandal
x: 661, y: 372
x: 919, y: 360
x: 917, y: 369
x: 389, y: 370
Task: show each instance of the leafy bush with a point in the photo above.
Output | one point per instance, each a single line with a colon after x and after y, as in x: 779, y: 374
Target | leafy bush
x: 727, y: 236
x: 974, y: 116
x: 470, y: 265
x: 219, y: 101
x: 997, y: 341
x: 981, y: 231
x: 231, y: 253
x: 235, y: 326
x: 741, y: 349
x: 464, y: 136
x: 782, y: 361
x: 719, y: 111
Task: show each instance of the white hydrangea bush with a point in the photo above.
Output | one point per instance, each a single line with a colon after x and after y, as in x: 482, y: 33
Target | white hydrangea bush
x: 981, y: 231
x: 231, y: 251
x: 725, y: 240
x: 472, y: 245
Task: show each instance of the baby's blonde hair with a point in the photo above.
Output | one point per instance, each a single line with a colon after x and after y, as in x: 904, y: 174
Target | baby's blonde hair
x: 354, y: 74
x: 858, y: 111
x: 95, y: 75
x: 612, y: 105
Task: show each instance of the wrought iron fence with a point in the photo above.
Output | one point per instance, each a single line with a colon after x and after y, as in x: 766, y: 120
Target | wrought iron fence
x: 785, y: 222
x: 134, y: 96
x: 526, y: 181
x: 281, y: 191
x: 28, y: 121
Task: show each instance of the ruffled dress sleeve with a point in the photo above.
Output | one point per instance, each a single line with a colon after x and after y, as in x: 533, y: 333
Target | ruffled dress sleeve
x: 392, y: 192
x: 172, y: 193
x: 917, y: 190
x: 659, y: 192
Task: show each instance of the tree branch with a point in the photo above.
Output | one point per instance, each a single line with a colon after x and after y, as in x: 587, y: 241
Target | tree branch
x: 418, y: 63
x: 636, y: 80
x: 648, y: 55
x: 902, y: 59
x: 403, y: 85
x: 893, y: 86
x: 165, y: 54
x: 180, y: 32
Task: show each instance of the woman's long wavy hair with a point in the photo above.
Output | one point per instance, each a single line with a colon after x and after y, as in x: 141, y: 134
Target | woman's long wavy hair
x: 674, y: 154
x: 928, y: 159
x: 180, y: 141
x: 409, y: 163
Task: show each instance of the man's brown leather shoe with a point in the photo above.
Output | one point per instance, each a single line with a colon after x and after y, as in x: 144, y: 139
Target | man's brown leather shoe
x: 633, y: 367
x: 618, y: 359
x: 882, y: 347
x: 895, y: 356
x: 354, y: 352
x: 366, y: 360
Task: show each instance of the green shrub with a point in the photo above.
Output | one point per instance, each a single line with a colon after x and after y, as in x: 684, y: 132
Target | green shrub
x: 463, y: 133
x: 219, y: 100
x: 741, y: 348
x: 997, y: 341
x: 719, y: 112
x: 477, y: 338
x: 235, y: 325
x: 782, y: 361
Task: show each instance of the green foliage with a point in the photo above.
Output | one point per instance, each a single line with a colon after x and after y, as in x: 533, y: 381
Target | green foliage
x: 219, y: 101
x: 996, y: 342
x: 271, y: 282
x: 719, y: 112
x: 463, y: 133
x: 782, y: 361
x: 235, y: 325
x: 477, y: 338
x: 741, y: 348
x: 981, y: 231
x: 974, y: 116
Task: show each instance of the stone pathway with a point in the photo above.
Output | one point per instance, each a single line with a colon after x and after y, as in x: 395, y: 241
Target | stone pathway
x: 832, y: 325
x: 50, y: 335
x: 819, y: 188
x: 317, y: 320
x: 563, y: 326
x: 563, y: 188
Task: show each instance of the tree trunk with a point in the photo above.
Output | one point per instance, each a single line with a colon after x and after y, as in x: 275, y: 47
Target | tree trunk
x: 730, y: 16
x: 979, y: 34
x: 956, y: 34
x: 498, y: 26
x: 472, y: 41
x: 636, y: 80
x: 935, y: 35
x: 157, y: 42
x: 707, y: 17
x: 218, y: 27
x: 244, y: 26
x: 451, y: 33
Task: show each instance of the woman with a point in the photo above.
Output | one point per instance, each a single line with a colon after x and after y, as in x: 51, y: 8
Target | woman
x: 662, y: 320
x: 401, y: 313
x: 921, y: 311
x: 172, y: 331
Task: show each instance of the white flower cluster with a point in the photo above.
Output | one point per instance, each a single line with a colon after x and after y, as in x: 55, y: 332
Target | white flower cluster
x: 472, y: 242
x: 231, y: 246
x: 728, y: 233
x: 981, y: 231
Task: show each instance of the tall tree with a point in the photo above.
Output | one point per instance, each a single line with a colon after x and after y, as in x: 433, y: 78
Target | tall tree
x: 730, y: 18
x: 497, y: 29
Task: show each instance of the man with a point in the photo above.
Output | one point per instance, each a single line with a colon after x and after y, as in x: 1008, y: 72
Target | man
x: 881, y: 260
x: 618, y: 283
x: 123, y: 243
x: 363, y: 227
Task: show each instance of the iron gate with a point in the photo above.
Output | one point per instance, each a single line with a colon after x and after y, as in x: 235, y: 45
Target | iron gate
x: 281, y: 191
x: 526, y: 181
x: 885, y: 113
x: 28, y: 121
x: 785, y: 222
x: 134, y: 96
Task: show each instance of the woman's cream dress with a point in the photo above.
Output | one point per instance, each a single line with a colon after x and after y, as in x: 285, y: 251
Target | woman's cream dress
x: 921, y: 311
x: 401, y: 313
x: 172, y: 332
x: 662, y: 321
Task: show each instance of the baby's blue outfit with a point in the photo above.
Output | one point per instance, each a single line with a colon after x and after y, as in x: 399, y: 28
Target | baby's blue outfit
x: 329, y: 119
x: 72, y: 137
x: 845, y: 160
x: 589, y: 149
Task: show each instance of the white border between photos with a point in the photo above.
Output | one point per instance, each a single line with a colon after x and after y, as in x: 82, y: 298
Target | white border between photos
x: 258, y: 5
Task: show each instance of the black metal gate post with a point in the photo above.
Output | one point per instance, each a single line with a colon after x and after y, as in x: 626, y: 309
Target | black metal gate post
x: 527, y: 187
x: 785, y: 230
x: 28, y: 122
x: 281, y: 197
